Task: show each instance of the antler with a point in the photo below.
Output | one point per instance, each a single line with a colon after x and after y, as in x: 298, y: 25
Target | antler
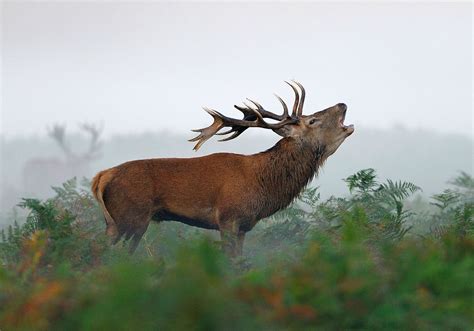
x: 58, y: 134
x: 299, y: 100
x: 253, y: 117
x: 94, y: 146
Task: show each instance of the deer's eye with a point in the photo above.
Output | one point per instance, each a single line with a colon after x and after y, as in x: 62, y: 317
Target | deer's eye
x: 312, y: 121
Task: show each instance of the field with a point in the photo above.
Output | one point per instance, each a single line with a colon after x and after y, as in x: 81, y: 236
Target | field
x: 379, y: 258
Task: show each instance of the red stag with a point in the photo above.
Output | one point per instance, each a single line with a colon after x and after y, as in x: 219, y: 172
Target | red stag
x: 223, y: 191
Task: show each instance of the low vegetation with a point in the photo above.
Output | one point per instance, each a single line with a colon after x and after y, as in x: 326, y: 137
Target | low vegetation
x: 377, y: 259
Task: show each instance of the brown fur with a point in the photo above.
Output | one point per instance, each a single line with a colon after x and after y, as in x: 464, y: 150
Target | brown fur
x: 159, y: 189
x: 99, y: 182
x: 223, y: 191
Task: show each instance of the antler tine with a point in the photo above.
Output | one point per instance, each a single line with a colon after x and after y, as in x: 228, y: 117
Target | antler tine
x: 223, y: 133
x: 259, y: 106
x: 257, y: 112
x: 245, y: 110
x: 266, y: 113
x: 297, y: 99
x: 249, y: 114
x: 208, y: 132
x: 94, y: 146
x: 285, y: 107
x: 234, y: 135
x: 248, y: 107
x: 236, y: 131
x: 301, y: 103
x: 58, y: 134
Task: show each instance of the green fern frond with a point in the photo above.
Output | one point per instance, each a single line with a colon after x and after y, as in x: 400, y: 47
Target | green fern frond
x: 363, y: 180
x: 463, y: 181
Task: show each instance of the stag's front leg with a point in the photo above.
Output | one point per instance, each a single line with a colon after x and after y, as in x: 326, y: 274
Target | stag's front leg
x: 240, y: 242
x: 231, y: 238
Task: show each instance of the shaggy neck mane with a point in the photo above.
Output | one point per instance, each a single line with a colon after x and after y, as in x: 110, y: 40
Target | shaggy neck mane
x: 287, y: 168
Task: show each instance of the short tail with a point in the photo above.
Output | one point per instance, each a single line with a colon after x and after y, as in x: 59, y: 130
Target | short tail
x: 98, y: 186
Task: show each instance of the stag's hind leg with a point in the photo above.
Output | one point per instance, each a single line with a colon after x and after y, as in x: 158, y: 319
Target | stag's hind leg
x: 112, y: 232
x: 128, y: 201
x: 133, y: 226
x: 135, y: 240
x: 130, y: 222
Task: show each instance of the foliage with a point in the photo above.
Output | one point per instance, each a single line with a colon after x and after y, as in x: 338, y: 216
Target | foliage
x: 343, y: 263
x: 383, y: 204
x: 455, y: 207
x: 71, y: 236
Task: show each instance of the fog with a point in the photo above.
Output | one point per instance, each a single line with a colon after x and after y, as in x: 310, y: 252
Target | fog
x: 144, y: 70
x: 151, y: 66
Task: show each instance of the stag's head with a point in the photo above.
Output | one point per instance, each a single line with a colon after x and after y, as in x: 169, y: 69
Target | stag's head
x: 323, y: 128
x: 58, y: 133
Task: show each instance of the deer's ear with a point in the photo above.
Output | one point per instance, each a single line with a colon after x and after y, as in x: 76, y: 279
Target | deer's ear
x: 291, y: 130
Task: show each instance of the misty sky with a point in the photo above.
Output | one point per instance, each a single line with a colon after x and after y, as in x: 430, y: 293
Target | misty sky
x: 151, y: 66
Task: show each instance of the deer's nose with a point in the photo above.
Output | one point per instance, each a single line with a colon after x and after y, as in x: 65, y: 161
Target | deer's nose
x: 342, y: 106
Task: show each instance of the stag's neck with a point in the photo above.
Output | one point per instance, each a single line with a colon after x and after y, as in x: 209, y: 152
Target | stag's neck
x: 285, y: 170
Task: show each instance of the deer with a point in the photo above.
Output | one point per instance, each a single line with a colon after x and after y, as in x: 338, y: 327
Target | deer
x: 223, y: 191
x: 40, y: 173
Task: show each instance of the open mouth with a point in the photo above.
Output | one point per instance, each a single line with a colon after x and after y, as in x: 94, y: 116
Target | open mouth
x: 348, y: 128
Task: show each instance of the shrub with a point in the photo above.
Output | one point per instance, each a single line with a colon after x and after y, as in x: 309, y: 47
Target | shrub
x: 343, y: 263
